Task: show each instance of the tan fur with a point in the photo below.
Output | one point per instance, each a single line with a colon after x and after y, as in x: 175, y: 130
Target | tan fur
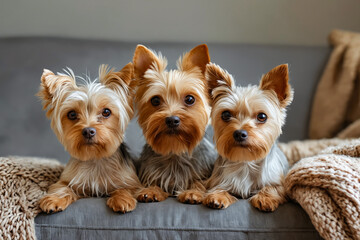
x: 257, y: 147
x: 122, y: 200
x: 100, y: 177
x: 144, y: 59
x: 60, y: 94
x: 172, y: 87
x: 269, y: 198
x: 217, y: 76
x: 107, y: 139
x: 152, y: 194
x: 152, y: 79
x: 101, y: 167
x: 219, y: 200
x: 253, y: 101
x: 254, y: 164
x: 277, y: 81
x: 111, y: 78
x: 51, y: 85
x: 56, y: 203
x: 194, y: 195
x: 198, y: 56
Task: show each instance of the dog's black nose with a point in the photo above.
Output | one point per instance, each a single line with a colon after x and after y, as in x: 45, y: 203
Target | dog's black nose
x: 172, y: 122
x: 240, y: 135
x: 89, y: 132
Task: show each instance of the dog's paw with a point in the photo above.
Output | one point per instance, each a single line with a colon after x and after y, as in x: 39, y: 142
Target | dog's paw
x: 121, y: 204
x: 152, y: 194
x: 53, y: 203
x: 192, y: 196
x: 264, y: 202
x: 220, y: 200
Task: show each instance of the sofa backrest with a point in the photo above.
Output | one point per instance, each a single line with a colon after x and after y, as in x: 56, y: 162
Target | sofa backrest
x: 24, y: 129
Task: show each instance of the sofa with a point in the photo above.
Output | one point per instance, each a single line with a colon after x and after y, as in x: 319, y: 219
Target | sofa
x: 25, y: 131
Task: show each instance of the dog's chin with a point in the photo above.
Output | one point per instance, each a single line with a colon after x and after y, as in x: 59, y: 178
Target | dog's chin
x: 169, y: 133
x: 89, y: 142
x: 241, y: 144
x: 172, y: 132
x: 90, y: 145
x: 90, y: 150
x: 244, y: 152
x: 169, y: 141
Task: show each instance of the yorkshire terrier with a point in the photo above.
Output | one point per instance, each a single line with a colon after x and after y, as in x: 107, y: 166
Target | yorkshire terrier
x: 90, y: 120
x: 247, y: 122
x: 173, y: 112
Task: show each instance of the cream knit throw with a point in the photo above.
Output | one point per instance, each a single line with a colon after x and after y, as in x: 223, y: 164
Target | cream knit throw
x: 23, y: 181
x: 327, y: 186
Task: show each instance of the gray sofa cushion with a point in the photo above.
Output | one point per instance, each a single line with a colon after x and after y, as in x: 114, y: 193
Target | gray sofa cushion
x: 24, y: 130
x: 92, y: 219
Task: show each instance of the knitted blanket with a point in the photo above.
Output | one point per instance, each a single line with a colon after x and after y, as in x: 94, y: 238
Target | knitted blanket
x: 327, y: 186
x: 23, y: 181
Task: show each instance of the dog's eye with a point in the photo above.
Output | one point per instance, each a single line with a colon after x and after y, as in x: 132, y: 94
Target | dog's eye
x: 189, y: 100
x: 155, y: 101
x: 106, y: 113
x: 261, y: 117
x: 226, y: 115
x: 72, y: 115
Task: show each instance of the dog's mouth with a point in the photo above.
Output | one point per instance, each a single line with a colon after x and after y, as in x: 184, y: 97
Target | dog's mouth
x: 168, y: 132
x: 241, y: 144
x: 89, y: 142
x: 172, y: 131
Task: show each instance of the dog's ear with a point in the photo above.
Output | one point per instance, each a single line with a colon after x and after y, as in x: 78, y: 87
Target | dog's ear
x: 143, y: 59
x: 52, y: 84
x: 197, y: 57
x: 277, y: 80
x: 218, y: 77
x: 113, y: 79
x: 126, y: 73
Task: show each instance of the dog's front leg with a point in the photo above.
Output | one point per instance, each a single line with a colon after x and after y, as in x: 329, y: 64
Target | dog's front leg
x: 194, y: 195
x: 58, y: 198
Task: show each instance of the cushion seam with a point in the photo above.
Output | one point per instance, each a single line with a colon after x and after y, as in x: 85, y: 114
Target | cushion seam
x: 179, y: 229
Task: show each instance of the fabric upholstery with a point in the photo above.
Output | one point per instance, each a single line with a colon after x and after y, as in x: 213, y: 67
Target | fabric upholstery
x: 92, y: 219
x: 24, y: 130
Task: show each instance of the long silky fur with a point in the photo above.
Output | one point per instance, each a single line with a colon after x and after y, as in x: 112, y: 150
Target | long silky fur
x: 86, y: 174
x: 175, y: 173
x: 102, y: 176
x: 244, y: 179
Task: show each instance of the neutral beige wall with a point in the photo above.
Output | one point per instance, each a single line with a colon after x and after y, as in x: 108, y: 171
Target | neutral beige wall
x: 304, y: 22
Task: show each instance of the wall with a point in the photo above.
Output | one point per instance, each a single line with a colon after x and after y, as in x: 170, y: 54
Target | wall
x: 301, y: 22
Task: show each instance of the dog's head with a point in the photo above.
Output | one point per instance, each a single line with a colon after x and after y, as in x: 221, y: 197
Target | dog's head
x: 173, y: 106
x: 248, y: 120
x: 89, y: 119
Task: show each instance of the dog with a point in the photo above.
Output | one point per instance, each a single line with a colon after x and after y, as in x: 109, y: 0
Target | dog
x: 247, y: 122
x: 173, y: 112
x: 90, y: 119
